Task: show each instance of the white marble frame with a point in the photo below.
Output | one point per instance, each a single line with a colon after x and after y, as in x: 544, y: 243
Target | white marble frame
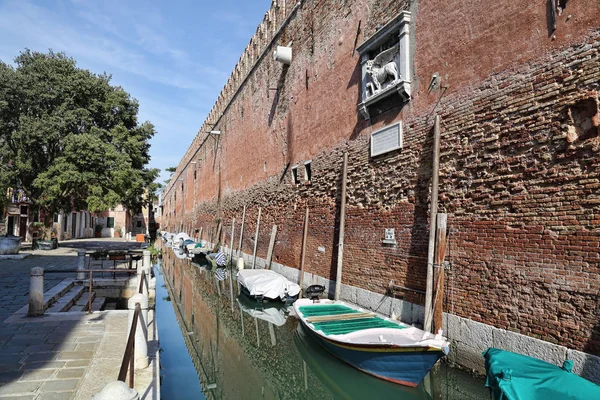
x: 399, y: 25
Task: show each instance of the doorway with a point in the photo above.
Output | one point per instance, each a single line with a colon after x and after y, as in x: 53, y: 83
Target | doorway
x: 23, y: 227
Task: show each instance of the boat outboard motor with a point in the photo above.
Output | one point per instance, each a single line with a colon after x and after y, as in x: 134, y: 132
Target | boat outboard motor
x: 314, y: 291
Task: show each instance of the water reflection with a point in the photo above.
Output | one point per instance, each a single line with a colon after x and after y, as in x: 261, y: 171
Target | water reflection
x: 245, y: 350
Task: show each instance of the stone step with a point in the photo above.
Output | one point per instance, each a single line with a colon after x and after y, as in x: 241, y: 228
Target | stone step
x: 110, y: 306
x: 97, y: 303
x: 82, y: 303
x: 67, y: 300
x: 52, y: 295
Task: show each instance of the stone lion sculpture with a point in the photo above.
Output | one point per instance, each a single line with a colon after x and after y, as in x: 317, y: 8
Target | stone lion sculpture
x: 380, y: 68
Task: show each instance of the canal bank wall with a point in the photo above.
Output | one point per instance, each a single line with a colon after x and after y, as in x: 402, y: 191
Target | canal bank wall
x: 519, y: 166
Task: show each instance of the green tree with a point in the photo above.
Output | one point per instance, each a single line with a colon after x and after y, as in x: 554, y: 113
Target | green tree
x: 68, y: 138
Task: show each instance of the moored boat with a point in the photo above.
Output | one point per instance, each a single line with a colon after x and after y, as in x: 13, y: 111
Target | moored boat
x: 264, y: 284
x: 372, y: 343
x: 512, y: 376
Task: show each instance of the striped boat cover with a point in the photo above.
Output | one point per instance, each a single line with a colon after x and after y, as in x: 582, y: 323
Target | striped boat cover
x: 220, y: 274
x: 220, y: 258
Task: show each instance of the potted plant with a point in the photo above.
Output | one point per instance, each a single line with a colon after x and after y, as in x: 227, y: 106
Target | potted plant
x: 43, y: 238
x: 117, y: 233
x: 98, y: 230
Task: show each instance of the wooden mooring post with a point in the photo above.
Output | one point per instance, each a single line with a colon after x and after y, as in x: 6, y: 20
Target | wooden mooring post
x: 303, y: 252
x: 256, y: 238
x: 271, y: 245
x: 440, y: 254
x: 432, y: 224
x: 340, y: 260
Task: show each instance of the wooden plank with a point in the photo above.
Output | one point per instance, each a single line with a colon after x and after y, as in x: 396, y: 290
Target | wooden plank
x: 432, y: 222
x: 340, y: 260
x: 303, y: 252
x: 339, y: 317
x: 256, y: 238
x: 239, y: 251
x: 440, y: 254
x: 271, y: 245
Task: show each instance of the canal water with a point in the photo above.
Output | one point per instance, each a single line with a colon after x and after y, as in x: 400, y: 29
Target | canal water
x: 218, y: 344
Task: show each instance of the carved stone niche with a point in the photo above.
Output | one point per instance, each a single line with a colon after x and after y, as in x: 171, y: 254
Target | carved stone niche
x: 385, y: 64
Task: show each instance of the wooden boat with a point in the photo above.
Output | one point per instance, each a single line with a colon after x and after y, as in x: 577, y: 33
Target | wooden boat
x: 512, y: 376
x: 346, y: 382
x: 264, y: 284
x: 372, y: 343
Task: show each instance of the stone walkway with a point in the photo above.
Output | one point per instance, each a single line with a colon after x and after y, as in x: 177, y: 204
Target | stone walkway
x: 60, y: 356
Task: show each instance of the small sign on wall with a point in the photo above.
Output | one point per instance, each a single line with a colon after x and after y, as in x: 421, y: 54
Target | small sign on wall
x: 386, y: 139
x: 389, y: 236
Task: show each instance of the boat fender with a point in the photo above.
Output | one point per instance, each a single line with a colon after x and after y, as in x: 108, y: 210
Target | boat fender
x: 568, y: 365
x: 314, y: 291
x: 506, y: 374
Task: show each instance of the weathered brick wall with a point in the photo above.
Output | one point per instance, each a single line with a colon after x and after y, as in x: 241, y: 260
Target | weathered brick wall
x: 519, y: 164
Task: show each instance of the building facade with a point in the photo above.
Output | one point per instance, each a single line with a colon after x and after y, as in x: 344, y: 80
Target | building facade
x: 516, y: 88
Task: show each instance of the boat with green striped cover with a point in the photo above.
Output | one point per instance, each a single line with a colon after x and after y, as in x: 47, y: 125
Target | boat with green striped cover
x: 370, y: 342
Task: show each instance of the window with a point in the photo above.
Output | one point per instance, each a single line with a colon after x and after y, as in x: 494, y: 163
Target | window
x: 194, y: 174
x: 110, y: 222
x: 55, y: 217
x: 138, y: 224
x: 295, y: 175
x: 64, y: 222
x: 307, y: 171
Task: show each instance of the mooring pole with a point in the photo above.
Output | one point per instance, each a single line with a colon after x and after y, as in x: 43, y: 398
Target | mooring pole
x: 271, y: 245
x: 256, y: 239
x: 440, y: 254
x: 303, y: 252
x: 432, y: 223
x: 338, y: 275
x: 239, y: 252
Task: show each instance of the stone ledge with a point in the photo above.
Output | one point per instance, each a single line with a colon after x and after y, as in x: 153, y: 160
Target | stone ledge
x: 19, y: 256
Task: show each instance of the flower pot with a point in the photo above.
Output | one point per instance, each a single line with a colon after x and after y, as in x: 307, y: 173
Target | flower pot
x: 98, y: 234
x: 10, y: 244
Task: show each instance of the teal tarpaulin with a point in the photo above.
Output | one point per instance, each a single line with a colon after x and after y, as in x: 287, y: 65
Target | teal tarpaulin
x: 514, y: 376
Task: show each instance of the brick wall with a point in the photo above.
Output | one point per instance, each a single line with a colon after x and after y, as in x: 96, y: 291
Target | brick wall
x: 519, y: 165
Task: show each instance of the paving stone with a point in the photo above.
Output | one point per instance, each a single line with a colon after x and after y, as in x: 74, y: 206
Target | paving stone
x: 77, y: 363
x: 9, y: 376
x: 43, y: 365
x: 40, y: 357
x: 14, y: 388
x: 75, y: 355
x: 25, y: 397
x: 59, y: 385
x: 56, y: 396
x: 70, y: 373
x: 87, y: 347
x: 37, y: 375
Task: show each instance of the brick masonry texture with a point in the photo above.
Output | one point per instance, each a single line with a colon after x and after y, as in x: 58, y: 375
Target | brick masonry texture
x: 519, y: 171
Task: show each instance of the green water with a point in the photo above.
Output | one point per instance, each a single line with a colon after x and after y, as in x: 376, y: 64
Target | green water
x: 238, y: 349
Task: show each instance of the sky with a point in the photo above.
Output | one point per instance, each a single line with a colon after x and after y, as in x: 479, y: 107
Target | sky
x: 173, y: 56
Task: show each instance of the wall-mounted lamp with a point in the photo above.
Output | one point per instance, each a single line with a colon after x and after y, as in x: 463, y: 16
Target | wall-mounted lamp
x: 283, y: 55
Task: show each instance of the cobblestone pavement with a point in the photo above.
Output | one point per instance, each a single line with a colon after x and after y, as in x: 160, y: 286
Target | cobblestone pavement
x: 48, y: 357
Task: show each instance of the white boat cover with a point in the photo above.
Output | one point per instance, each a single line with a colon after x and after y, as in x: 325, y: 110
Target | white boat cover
x: 180, y: 237
x: 267, y: 283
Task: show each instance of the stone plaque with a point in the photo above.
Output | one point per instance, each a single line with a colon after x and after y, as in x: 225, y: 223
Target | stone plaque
x: 389, y: 236
x: 386, y: 139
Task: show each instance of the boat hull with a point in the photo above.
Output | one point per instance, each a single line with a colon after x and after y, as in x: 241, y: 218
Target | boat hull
x: 405, y: 366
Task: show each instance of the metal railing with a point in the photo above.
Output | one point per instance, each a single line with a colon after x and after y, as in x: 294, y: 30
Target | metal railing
x: 142, y: 280
x: 91, y: 271
x: 129, y: 356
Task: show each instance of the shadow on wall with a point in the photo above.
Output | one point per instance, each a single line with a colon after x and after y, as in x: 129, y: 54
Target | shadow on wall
x: 419, y: 231
x: 278, y: 89
x: 591, y: 366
